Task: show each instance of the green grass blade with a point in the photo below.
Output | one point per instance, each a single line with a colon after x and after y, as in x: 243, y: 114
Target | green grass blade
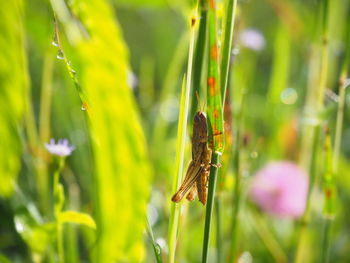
x: 210, y: 205
x: 122, y: 172
x: 156, y: 248
x: 199, y: 57
x: 180, y: 151
x: 13, y: 92
x: 180, y: 146
x: 312, y: 134
x: 215, y: 120
x: 227, y: 45
x: 215, y: 113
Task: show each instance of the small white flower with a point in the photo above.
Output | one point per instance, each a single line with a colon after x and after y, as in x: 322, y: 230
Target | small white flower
x: 253, y: 39
x: 62, y: 148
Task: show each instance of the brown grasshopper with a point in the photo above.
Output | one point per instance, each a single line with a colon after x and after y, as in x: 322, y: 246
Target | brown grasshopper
x: 197, y: 174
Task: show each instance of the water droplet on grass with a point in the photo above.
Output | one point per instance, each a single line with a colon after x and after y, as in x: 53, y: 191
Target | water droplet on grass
x: 60, y: 54
x: 83, y: 107
x: 54, y: 41
x: 158, y: 249
x: 289, y: 96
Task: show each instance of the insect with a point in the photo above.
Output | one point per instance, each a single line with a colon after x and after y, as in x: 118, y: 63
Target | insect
x: 196, y: 179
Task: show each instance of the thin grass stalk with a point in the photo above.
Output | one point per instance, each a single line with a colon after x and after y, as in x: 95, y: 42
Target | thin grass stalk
x: 237, y: 174
x: 156, y: 248
x: 58, y: 192
x: 332, y: 165
x: 215, y: 120
x: 315, y: 133
x: 218, y: 229
x: 224, y: 70
x: 326, y: 240
x: 262, y: 229
x: 227, y: 45
x: 44, y: 129
x: 324, y: 56
x: 304, y: 222
x: 236, y: 200
x: 329, y: 200
x: 339, y: 121
x: 210, y: 205
x: 61, y: 55
x: 180, y: 152
x: 180, y: 148
x: 343, y: 84
x: 199, y: 55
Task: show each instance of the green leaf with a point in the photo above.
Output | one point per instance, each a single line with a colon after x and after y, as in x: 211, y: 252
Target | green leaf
x: 76, y: 218
x: 13, y: 83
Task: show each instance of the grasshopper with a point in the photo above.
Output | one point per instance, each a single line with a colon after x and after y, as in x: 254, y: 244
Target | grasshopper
x: 196, y: 179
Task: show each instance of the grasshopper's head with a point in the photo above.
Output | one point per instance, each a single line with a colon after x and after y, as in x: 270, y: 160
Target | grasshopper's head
x: 200, y: 117
x: 200, y: 130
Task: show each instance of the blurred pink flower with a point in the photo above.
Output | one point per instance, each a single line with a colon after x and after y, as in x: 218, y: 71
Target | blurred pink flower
x: 280, y: 189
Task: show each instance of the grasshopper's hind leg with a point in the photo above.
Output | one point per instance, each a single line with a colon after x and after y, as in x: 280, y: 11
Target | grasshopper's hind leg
x: 202, y: 188
x: 192, y: 193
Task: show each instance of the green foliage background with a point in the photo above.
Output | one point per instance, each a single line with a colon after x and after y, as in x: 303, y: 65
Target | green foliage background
x: 129, y: 58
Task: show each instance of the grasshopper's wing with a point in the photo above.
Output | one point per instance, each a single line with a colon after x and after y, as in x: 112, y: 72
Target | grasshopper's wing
x: 193, y: 171
x: 192, y: 193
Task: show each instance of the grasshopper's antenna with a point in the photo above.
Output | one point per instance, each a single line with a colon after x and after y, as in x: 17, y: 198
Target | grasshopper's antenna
x: 199, y: 101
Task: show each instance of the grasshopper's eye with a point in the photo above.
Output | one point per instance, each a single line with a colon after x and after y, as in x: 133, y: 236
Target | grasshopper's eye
x: 197, y: 118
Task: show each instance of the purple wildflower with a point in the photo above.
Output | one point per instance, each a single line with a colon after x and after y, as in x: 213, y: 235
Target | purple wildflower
x: 280, y: 189
x: 253, y: 39
x: 62, y: 148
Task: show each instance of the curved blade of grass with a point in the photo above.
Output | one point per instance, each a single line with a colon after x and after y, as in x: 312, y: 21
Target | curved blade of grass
x: 227, y: 45
x: 180, y: 146
x: 13, y: 92
x: 71, y: 71
x: 180, y: 151
x: 122, y: 169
